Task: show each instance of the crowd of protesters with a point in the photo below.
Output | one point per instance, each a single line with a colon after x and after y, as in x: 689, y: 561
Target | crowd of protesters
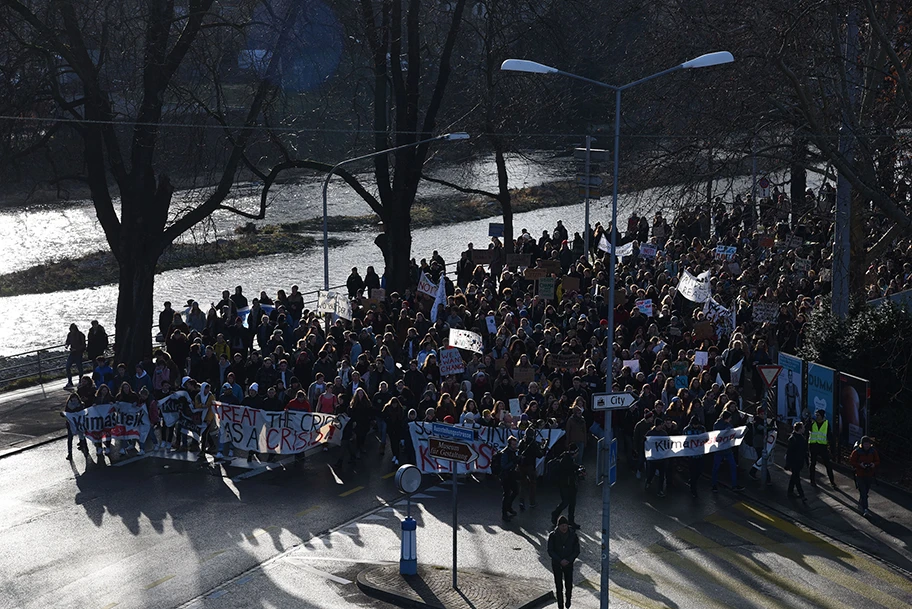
x: 382, y: 367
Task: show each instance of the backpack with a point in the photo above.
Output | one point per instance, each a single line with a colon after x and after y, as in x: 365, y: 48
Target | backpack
x: 496, y: 462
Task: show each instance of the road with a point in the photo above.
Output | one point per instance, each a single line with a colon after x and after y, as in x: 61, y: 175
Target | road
x: 162, y: 533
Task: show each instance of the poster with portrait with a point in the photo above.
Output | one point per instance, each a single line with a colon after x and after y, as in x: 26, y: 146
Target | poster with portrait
x: 821, y: 391
x: 852, y: 422
x: 790, y: 387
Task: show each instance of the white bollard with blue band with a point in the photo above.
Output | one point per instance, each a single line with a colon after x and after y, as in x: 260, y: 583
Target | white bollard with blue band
x: 408, y: 479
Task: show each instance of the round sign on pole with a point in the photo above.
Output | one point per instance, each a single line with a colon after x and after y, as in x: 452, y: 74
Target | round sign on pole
x: 408, y: 479
x: 763, y: 183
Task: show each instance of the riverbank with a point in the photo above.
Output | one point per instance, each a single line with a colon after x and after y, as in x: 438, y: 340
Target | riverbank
x: 100, y: 268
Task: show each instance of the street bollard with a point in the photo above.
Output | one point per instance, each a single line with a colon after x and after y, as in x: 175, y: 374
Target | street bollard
x: 408, y: 562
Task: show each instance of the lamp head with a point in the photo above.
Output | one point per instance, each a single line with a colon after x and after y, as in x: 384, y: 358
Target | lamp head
x: 524, y: 65
x: 709, y: 59
x: 459, y: 135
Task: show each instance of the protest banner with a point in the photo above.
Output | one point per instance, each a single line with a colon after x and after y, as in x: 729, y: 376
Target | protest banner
x: 633, y: 364
x: 533, y: 274
x: 666, y: 447
x: 546, y: 287
x: 570, y: 284
x: 335, y: 303
x: 464, y: 339
x: 736, y: 371
x: 482, y: 256
x: 568, y: 361
x: 647, y: 250
x: 491, y: 324
x: 451, y: 361
x: 524, y: 374
x: 764, y: 312
x: 516, y: 260
x: 604, y: 245
x: 487, y: 443
x: 515, y: 411
x: 789, y: 387
x: 723, y: 319
x: 281, y: 433
x: 726, y: 251
x: 791, y: 242
x: 701, y: 358
x: 624, y: 250
x: 106, y: 422
x: 821, y: 391
x: 171, y: 406
x: 696, y: 289
x: 645, y: 306
x: 426, y: 286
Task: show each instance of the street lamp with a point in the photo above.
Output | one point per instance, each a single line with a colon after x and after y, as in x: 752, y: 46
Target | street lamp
x: 445, y: 137
x: 532, y: 67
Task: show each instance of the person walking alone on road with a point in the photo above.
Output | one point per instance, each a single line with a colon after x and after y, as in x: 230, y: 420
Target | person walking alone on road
x: 509, y: 478
x: 567, y: 476
x: 795, y: 458
x: 563, y: 548
x: 819, y: 442
x: 865, y: 461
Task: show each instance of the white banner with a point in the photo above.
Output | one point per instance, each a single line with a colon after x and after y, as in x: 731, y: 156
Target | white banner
x: 426, y: 287
x: 171, y: 406
x: 464, y: 339
x: 451, y: 361
x: 335, y: 303
x: 723, y: 319
x: 439, y: 299
x: 118, y: 421
x: 645, y: 306
x: 765, y: 311
x: 488, y: 442
x: 665, y: 447
x: 281, y: 433
x: 624, y: 250
x: 695, y: 289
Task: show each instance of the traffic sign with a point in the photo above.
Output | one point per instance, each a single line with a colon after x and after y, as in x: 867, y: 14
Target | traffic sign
x: 612, y: 401
x: 613, y: 461
x: 769, y: 373
x: 763, y: 182
x: 452, y: 432
x: 596, y: 155
x: 451, y: 451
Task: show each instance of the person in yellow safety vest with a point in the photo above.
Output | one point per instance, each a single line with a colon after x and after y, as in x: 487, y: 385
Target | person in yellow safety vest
x: 819, y: 440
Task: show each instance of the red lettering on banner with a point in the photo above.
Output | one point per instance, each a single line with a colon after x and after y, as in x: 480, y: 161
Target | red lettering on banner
x: 485, y: 456
x: 287, y: 446
x: 270, y: 439
x: 249, y: 416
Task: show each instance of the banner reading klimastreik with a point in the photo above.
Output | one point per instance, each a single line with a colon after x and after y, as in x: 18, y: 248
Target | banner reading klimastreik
x: 665, y: 447
x: 117, y: 421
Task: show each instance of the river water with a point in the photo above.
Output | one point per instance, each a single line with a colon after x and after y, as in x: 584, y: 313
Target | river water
x: 41, y: 320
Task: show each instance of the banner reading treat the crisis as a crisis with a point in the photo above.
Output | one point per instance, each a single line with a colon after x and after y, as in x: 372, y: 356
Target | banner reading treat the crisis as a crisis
x: 488, y: 441
x: 281, y: 433
x: 118, y: 421
x: 665, y: 447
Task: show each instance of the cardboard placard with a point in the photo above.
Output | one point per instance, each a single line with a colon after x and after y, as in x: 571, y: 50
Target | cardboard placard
x: 482, y: 256
x: 519, y: 260
x: 633, y: 364
x: 703, y: 330
x: 524, y: 374
x: 552, y: 266
x: 568, y: 361
x: 570, y: 284
x: 647, y: 250
x: 491, y: 323
x: 701, y: 358
x: 534, y: 274
x: 515, y: 412
x: 645, y: 307
x: 451, y: 361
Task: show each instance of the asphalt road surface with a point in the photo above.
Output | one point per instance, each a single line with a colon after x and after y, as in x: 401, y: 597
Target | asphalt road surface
x: 161, y: 532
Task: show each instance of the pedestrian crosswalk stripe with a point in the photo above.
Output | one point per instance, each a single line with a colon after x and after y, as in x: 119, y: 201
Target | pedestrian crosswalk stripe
x: 741, y: 590
x: 744, y: 564
x: 159, y: 582
x: 858, y: 562
x: 813, y: 564
x: 687, y: 590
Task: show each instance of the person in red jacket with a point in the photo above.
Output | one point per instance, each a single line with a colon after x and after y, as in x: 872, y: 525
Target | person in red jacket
x: 299, y: 403
x: 865, y: 461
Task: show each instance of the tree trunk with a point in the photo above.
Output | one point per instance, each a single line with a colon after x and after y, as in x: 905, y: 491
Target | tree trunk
x: 135, y: 309
x: 396, y: 244
x: 857, y: 252
x: 503, y: 194
x: 798, y: 183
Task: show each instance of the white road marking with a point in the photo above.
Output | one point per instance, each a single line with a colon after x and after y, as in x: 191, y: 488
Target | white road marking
x: 268, y: 467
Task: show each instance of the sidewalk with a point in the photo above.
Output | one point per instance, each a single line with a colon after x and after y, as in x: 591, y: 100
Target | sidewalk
x: 31, y: 416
